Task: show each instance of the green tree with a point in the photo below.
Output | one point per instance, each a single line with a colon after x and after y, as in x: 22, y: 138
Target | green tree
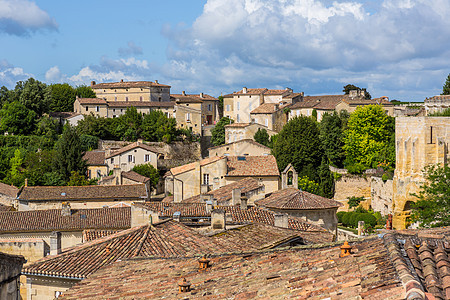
x: 84, y: 91
x: 129, y: 125
x: 5, y: 95
x: 261, y: 136
x: 16, y: 174
x: 39, y: 168
x: 307, y: 185
x: 369, y: 132
x: 331, y: 135
x: 34, y: 95
x: 17, y: 119
x: 220, y: 104
x: 69, y: 153
x: 351, y: 87
x: 326, y: 183
x: 446, y: 87
x: 354, y: 201
x: 218, y: 132
x: 97, y: 126
x: 157, y: 127
x: 76, y: 179
x: 62, y: 97
x: 299, y: 143
x: 48, y: 127
x: 432, y: 208
x: 149, y: 171
x: 314, y: 114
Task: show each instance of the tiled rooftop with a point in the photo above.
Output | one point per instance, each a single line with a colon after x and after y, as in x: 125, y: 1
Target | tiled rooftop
x: 8, y: 190
x: 131, y: 147
x: 266, y: 108
x: 90, y: 192
x: 292, y: 198
x: 250, y: 141
x: 252, y: 166
x: 128, y: 84
x: 191, y: 166
x: 92, y: 101
x: 132, y: 175
x: 285, y: 274
x: 188, y: 98
x: 52, y: 219
x: 93, y: 234
x: 95, y: 158
x: 120, y: 104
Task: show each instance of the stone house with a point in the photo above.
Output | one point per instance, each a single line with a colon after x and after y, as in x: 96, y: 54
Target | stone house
x: 8, y: 194
x: 240, y: 148
x: 11, y: 267
x: 270, y: 115
x: 64, y: 117
x: 132, y: 91
x: 240, y: 131
x: 195, y: 111
x: 127, y: 157
x: 91, y: 196
x: 96, y: 164
x: 350, y: 104
x: 436, y: 104
x: 86, y: 106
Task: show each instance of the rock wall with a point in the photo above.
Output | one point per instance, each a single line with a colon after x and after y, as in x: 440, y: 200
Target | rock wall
x: 352, y: 185
x: 382, y: 195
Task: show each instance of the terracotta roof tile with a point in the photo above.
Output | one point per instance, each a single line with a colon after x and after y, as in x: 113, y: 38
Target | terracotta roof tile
x: 191, y: 166
x: 275, y: 274
x: 292, y: 198
x: 131, y: 147
x: 196, y: 98
x: 119, y: 104
x: 276, y: 92
x: 252, y: 166
x: 95, y: 158
x: 132, y: 175
x: 8, y: 190
x: 92, y: 101
x: 90, y: 192
x: 6, y: 208
x: 93, y: 234
x: 239, y: 142
x: 266, y: 108
x: 238, y: 125
x: 251, y: 92
x: 52, y: 219
x: 127, y: 84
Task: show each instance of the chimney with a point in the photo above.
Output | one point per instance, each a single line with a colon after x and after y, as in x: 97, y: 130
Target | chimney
x: 209, y: 207
x: 92, y: 83
x: 201, y: 95
x: 346, y: 249
x: 218, y: 219
x: 244, y: 90
x: 184, y: 286
x: 203, y: 189
x: 117, y: 173
x: 55, y: 243
x: 156, y: 81
x: 203, y: 263
x: 244, y: 200
x: 26, y: 182
x: 183, y: 93
x: 235, y: 196
x: 66, y: 209
x: 121, y: 80
x: 176, y: 216
x: 281, y: 220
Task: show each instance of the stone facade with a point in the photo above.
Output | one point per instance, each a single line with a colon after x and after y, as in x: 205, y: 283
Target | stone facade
x: 10, y: 268
x: 352, y: 185
x: 239, y: 148
x: 420, y: 141
x: 240, y: 131
x: 381, y: 195
x: 436, y: 104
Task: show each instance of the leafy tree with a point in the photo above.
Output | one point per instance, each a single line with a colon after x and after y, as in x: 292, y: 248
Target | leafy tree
x: 88, y: 142
x: 5, y: 95
x: 157, y: 127
x: 84, y: 91
x: 369, y: 133
x: 351, y: 87
x: 446, y: 87
x: 34, y: 95
x: 314, y: 114
x: 326, y: 183
x: 97, y: 126
x: 307, y: 185
x: 128, y: 126
x: 48, y: 127
x: 39, y: 168
x: 62, y: 97
x: 220, y: 103
x: 17, y: 119
x: 331, y: 135
x: 299, y: 143
x: 149, y: 171
x: 76, y: 179
x: 354, y: 201
x: 262, y: 137
x: 69, y: 153
x: 16, y: 175
x: 432, y: 208
x: 218, y: 132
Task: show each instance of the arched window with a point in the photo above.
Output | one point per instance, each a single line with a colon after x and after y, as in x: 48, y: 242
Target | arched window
x: 290, y: 177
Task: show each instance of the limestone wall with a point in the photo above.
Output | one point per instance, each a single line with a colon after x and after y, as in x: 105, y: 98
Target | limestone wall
x: 31, y: 249
x: 382, y: 194
x: 353, y: 185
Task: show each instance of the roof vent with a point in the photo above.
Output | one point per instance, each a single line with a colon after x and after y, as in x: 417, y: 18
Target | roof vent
x: 203, y: 263
x: 241, y: 158
x: 184, y: 286
x: 63, y: 194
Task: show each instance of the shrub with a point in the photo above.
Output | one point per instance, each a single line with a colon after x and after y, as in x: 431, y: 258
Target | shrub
x: 361, y: 209
x: 368, y: 219
x: 340, y: 215
x: 353, y: 221
x: 354, y: 201
x: 356, y: 168
x: 346, y: 218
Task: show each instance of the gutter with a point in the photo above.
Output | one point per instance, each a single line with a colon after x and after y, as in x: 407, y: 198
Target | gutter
x: 52, y: 276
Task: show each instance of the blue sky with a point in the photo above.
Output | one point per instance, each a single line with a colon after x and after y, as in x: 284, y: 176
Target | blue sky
x: 394, y: 48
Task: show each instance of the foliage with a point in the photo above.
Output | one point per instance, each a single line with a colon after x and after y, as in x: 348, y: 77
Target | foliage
x: 149, y: 171
x: 298, y: 143
x: 128, y: 125
x: 262, y: 137
x: 16, y: 174
x: 62, y: 97
x: 361, y: 209
x: 88, y: 142
x: 34, y: 95
x: 307, y: 185
x: 157, y: 127
x: 369, y: 137
x: 446, y: 87
x: 314, y: 114
x: 47, y: 126
x: 83, y: 91
x: 369, y: 219
x: 387, y: 176
x: 218, y: 132
x: 337, y: 176
x: 76, y: 179
x: 326, y: 182
x: 273, y: 140
x: 220, y: 98
x: 331, y: 136
x: 69, y: 153
x: 339, y: 215
x: 356, y: 168
x: 432, y: 206
x: 17, y: 119
x: 351, y: 219
x: 354, y: 201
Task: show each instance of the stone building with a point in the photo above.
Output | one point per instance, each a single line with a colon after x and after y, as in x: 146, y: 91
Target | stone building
x: 240, y: 148
x: 271, y: 115
x: 242, y: 131
x: 10, y: 270
x: 420, y: 141
x: 436, y: 104
x: 8, y: 194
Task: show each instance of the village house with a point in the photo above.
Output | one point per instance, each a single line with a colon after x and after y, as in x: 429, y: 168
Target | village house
x: 271, y: 115
x: 395, y: 265
x: 64, y: 117
x: 240, y: 148
x: 436, y: 104
x: 195, y: 111
x: 96, y: 164
x: 8, y: 194
x: 136, y: 153
x: 11, y: 267
x: 243, y: 131
x: 216, y: 171
x: 79, y: 197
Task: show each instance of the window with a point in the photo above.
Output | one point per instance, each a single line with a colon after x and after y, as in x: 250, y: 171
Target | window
x: 228, y: 107
x: 130, y: 158
x: 99, y: 173
x: 209, y: 107
x: 266, y: 122
x: 114, y: 110
x: 205, y: 178
x: 87, y: 108
x: 126, y: 99
x: 188, y: 117
x: 290, y: 177
x: 237, y: 118
x: 140, y: 98
x: 147, y: 157
x: 115, y: 98
x: 112, y: 160
x: 238, y: 104
x: 97, y: 109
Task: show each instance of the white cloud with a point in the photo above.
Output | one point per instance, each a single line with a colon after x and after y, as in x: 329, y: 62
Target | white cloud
x: 131, y: 49
x: 21, y: 17
x: 53, y: 75
x: 10, y: 74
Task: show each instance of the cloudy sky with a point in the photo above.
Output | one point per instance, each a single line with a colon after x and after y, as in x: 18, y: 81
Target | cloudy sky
x: 394, y: 48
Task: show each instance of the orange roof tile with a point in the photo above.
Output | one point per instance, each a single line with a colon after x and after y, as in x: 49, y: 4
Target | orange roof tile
x: 252, y: 166
x: 184, y: 168
x: 266, y: 108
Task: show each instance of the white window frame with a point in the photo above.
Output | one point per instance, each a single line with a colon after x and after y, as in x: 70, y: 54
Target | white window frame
x: 206, y: 179
x: 147, y: 157
x: 228, y: 107
x: 238, y: 105
x: 188, y: 117
x: 130, y: 158
x: 266, y: 122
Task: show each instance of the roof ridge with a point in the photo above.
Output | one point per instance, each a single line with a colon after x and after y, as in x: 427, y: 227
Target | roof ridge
x: 141, y: 242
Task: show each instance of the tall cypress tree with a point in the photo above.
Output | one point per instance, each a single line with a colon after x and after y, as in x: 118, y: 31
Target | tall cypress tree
x: 69, y: 153
x: 446, y: 87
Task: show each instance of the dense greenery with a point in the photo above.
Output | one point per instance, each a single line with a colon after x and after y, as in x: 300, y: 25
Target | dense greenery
x: 446, y: 87
x: 332, y: 129
x: 149, y: 171
x: 218, y: 132
x: 432, y: 208
x: 261, y: 136
x: 354, y: 201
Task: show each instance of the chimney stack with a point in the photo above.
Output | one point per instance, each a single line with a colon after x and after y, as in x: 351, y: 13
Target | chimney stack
x: 244, y: 202
x: 92, y: 83
x: 117, y: 172
x: 183, y: 93
x: 244, y: 90
x: 55, y: 243
x: 281, y: 220
x: 218, y: 219
x: 236, y: 196
x: 156, y: 81
x: 209, y: 206
x: 346, y: 249
x: 121, y: 80
x: 201, y: 95
x: 66, y: 209
x: 26, y: 182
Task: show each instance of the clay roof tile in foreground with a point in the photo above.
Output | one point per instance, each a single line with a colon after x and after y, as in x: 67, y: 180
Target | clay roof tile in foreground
x: 292, y: 198
x: 265, y: 165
